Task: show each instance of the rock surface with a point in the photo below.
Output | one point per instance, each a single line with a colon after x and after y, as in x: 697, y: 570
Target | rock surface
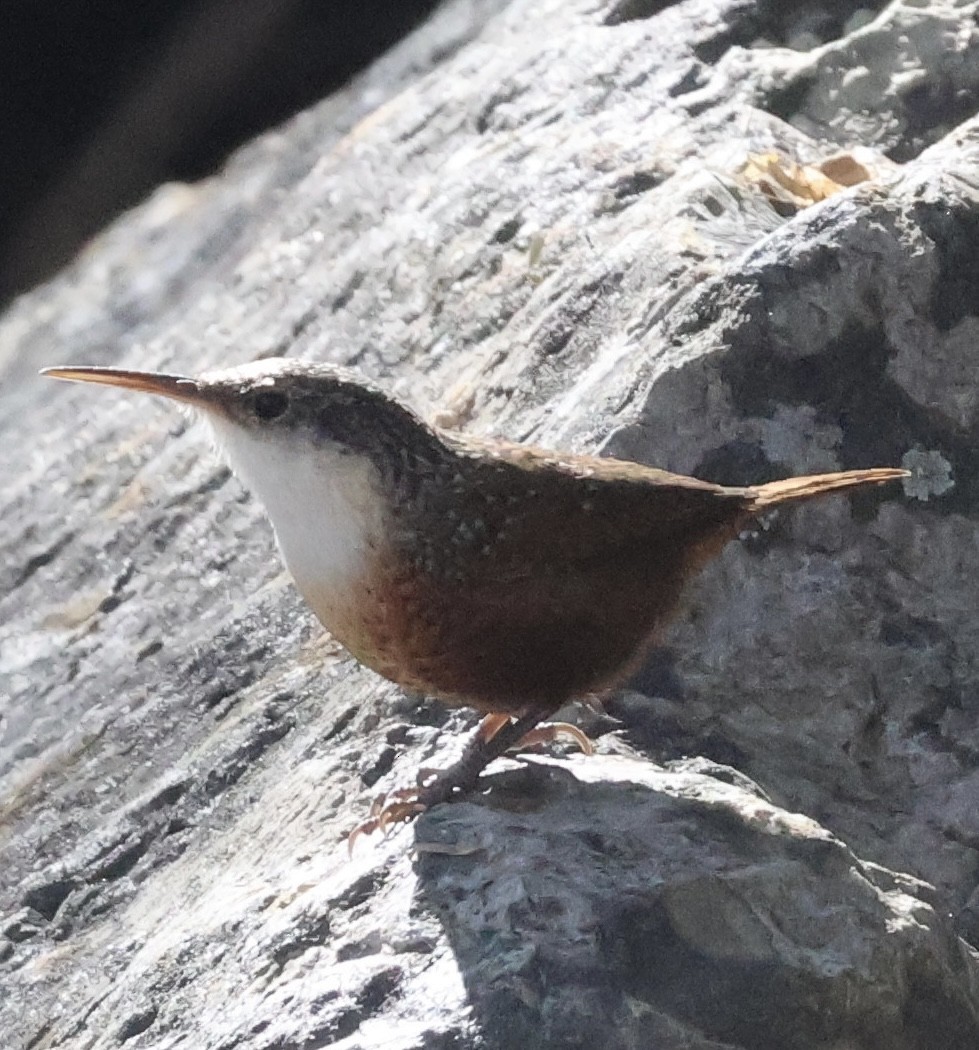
x: 543, y: 224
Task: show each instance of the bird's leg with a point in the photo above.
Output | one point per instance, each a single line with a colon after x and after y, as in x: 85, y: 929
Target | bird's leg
x: 491, y: 725
x: 495, y: 735
x: 543, y: 733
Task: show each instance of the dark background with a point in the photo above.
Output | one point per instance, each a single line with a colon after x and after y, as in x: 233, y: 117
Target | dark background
x: 101, y: 100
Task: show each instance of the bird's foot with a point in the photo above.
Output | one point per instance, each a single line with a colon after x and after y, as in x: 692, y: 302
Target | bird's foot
x: 404, y: 804
x: 496, y: 735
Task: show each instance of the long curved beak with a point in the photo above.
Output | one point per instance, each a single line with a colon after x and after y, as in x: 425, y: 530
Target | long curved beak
x: 177, y: 388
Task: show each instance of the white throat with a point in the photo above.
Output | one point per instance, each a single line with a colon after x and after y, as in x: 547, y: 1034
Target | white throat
x: 325, y: 505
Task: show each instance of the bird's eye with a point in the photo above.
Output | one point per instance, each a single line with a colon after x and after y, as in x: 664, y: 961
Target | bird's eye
x: 270, y: 404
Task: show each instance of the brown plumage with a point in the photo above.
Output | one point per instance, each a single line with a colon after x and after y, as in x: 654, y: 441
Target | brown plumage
x: 552, y: 574
x: 489, y: 574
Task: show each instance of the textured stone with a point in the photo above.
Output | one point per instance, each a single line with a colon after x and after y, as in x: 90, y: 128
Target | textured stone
x: 552, y: 236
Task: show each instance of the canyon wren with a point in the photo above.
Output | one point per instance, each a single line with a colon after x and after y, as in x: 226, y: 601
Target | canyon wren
x: 487, y: 574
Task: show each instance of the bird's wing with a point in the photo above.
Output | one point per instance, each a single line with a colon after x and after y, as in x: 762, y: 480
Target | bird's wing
x: 563, y: 514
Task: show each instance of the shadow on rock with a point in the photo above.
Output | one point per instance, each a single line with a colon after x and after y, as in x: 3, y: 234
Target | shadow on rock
x: 608, y: 902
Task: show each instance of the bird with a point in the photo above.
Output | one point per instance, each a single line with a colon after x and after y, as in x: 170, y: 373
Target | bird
x: 488, y: 574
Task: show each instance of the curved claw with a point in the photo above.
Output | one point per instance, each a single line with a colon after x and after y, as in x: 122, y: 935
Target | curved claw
x: 396, y: 808
x: 550, y: 731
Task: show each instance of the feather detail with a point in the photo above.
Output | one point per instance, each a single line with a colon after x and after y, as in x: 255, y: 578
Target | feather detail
x: 792, y: 490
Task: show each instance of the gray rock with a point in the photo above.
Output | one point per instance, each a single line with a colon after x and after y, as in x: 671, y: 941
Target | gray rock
x: 550, y: 236
x: 702, y: 916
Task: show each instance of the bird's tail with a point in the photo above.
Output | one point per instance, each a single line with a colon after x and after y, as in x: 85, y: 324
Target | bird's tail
x: 793, y: 490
